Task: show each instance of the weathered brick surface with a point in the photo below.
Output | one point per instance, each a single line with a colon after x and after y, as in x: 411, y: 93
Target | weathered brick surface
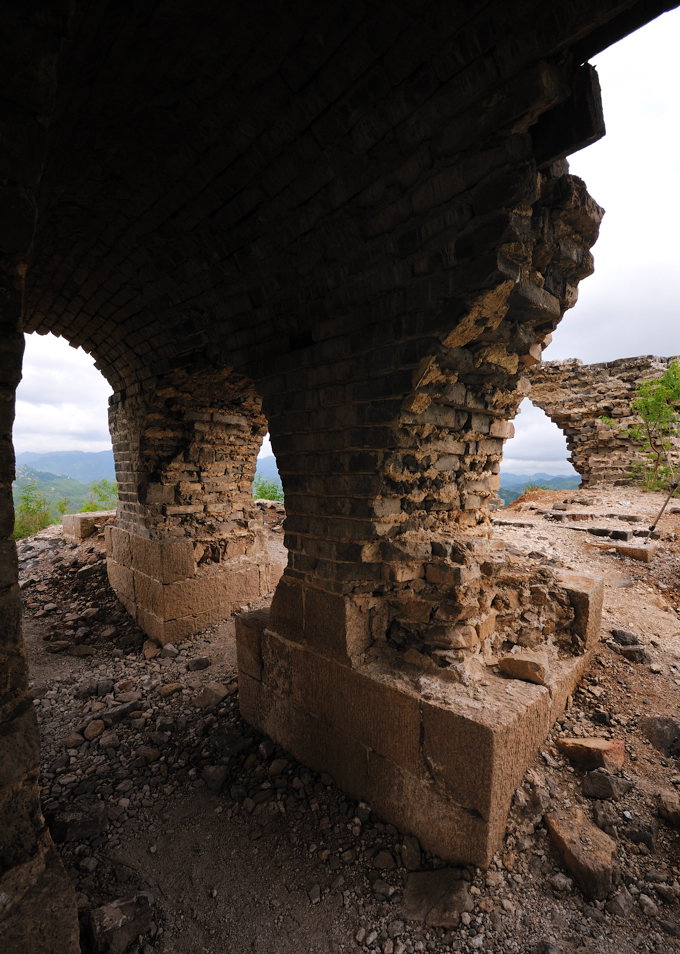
x: 591, y: 404
x: 369, y: 261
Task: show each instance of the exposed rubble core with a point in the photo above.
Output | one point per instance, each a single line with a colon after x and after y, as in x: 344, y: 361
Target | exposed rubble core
x: 357, y: 225
x: 591, y: 404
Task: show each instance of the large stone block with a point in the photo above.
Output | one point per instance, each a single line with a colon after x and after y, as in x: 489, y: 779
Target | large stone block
x: 439, y: 760
x: 79, y: 526
x: 586, y: 594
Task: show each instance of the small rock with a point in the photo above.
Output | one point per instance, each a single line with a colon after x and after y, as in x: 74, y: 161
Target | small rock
x: 437, y: 898
x: 669, y: 806
x: 670, y: 927
x: 621, y: 903
x: 114, y: 926
x: 150, y: 650
x: 602, y: 785
x: 169, y: 689
x: 58, y: 646
x: 314, y: 893
x: 278, y: 766
x: 94, y: 729
x: 643, y: 834
x: 74, y: 739
x: 214, y: 776
x: 560, y: 882
x: 210, y: 695
x: 594, y: 752
x: 148, y: 753
x: 635, y: 654
x: 648, y: 906
x: 109, y: 739
x: 663, y: 732
x: 384, y: 860
x: 529, y: 667
x: 625, y: 638
x: 199, y: 662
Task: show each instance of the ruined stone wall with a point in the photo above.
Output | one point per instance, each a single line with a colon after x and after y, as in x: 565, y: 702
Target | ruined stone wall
x: 189, y: 545
x: 579, y: 397
x: 37, y: 901
x: 364, y: 221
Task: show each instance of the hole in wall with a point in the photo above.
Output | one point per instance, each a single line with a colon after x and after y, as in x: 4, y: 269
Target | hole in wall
x: 537, y: 454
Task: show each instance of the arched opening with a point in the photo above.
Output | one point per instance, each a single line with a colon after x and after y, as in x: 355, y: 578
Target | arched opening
x: 61, y: 437
x: 537, y: 455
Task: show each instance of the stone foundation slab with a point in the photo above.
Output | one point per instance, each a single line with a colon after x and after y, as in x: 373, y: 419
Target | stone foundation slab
x: 437, y: 759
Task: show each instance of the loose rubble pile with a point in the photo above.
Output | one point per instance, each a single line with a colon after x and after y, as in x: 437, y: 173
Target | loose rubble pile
x: 186, y: 831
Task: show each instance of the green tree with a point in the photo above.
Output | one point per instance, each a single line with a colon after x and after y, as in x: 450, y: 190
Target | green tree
x: 33, y: 512
x: 267, y: 490
x: 657, y: 404
x: 103, y: 496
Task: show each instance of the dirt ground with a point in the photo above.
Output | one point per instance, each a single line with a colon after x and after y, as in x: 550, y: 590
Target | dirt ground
x: 157, y: 791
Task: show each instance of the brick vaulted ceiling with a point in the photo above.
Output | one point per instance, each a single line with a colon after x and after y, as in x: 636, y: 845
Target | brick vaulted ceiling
x: 236, y: 179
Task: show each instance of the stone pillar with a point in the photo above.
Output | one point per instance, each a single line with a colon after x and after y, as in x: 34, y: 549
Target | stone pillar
x: 189, y: 545
x: 37, y: 900
x: 376, y: 662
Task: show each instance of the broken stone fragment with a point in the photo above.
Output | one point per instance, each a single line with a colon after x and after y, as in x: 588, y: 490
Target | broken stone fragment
x: 663, y: 732
x: 94, y: 729
x: 214, y: 776
x: 669, y: 806
x: 114, y: 926
x: 437, y: 897
x: 211, y: 694
x: 529, y: 667
x: 170, y: 688
x: 77, y: 824
x: 150, y: 650
x: 587, y: 851
x: 621, y: 903
x: 199, y: 662
x: 594, y: 753
x: 600, y: 784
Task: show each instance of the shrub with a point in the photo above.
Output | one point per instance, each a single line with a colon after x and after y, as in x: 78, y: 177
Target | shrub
x: 267, y: 490
x: 33, y: 512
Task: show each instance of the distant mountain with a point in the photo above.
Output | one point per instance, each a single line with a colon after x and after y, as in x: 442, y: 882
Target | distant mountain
x: 267, y: 469
x: 54, y: 487
x: 84, y: 466
x: 513, y: 485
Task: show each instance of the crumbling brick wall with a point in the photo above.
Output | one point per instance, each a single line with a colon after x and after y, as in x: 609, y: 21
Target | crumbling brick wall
x: 591, y: 404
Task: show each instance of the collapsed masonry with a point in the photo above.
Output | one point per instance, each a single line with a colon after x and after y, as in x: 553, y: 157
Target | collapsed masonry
x: 591, y: 404
x: 360, y: 229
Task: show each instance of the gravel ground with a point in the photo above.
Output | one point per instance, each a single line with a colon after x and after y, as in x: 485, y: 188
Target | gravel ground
x: 203, y: 836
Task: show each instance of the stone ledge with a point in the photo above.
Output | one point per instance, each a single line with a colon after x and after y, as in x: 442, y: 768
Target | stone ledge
x: 79, y: 526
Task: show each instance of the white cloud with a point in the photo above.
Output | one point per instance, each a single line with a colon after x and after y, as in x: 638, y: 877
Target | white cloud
x: 62, y: 401
x: 538, y: 444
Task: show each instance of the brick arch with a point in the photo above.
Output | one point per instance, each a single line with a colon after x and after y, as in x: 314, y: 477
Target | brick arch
x: 582, y: 399
x: 314, y: 197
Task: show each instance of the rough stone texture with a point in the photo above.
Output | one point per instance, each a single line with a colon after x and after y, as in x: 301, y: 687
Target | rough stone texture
x: 370, y: 262
x: 443, y: 762
x: 587, y: 851
x: 578, y: 396
x: 79, y: 526
x: 37, y: 901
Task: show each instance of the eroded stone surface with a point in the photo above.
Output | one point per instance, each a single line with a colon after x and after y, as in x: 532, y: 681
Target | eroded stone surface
x: 591, y: 404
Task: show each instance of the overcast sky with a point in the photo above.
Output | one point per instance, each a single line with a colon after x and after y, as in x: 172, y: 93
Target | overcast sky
x: 629, y: 307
